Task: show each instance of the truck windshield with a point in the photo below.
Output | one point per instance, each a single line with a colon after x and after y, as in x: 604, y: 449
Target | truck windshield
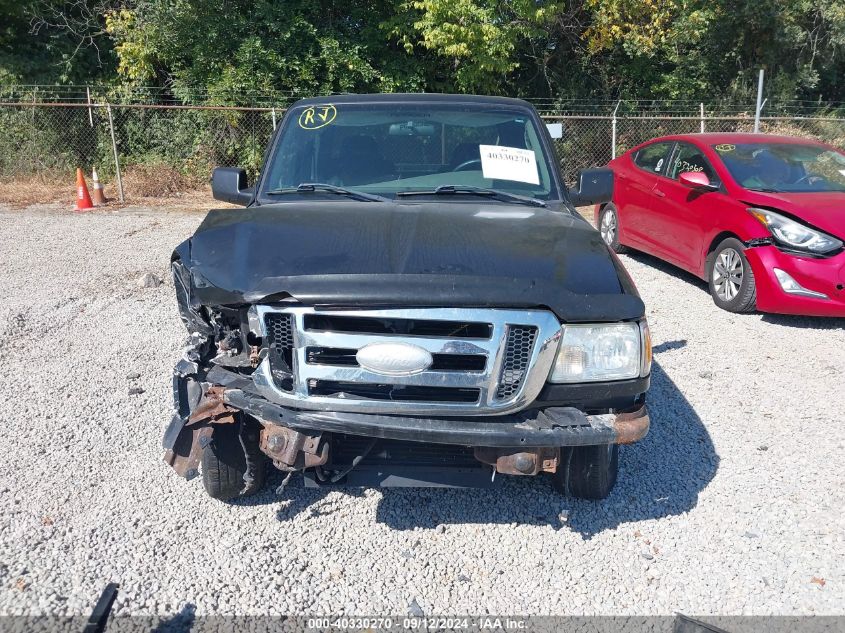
x: 389, y: 149
x: 784, y: 167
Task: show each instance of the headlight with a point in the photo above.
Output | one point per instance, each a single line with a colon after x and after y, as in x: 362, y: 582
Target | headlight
x: 794, y: 234
x: 191, y: 317
x: 611, y: 351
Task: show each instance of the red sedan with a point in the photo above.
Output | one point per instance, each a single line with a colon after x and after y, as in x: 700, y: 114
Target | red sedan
x: 760, y: 217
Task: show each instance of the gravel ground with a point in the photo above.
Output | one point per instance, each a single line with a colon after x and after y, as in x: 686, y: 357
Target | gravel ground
x: 733, y: 503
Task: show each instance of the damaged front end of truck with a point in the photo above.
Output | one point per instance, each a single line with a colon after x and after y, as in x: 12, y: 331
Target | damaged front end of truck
x: 285, y: 370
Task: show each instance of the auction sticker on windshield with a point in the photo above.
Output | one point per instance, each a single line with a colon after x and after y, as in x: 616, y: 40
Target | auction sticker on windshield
x: 509, y: 163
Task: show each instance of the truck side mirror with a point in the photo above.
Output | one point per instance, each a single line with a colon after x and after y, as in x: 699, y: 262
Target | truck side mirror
x: 595, y: 186
x: 229, y: 185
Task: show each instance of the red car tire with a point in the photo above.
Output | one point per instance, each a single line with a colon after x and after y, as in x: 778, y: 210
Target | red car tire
x: 730, y: 277
x: 609, y: 228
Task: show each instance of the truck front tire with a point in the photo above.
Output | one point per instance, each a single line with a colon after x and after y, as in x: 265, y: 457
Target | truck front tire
x: 232, y: 464
x: 589, y: 472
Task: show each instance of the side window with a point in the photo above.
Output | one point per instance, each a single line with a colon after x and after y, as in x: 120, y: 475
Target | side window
x: 690, y: 158
x: 652, y: 157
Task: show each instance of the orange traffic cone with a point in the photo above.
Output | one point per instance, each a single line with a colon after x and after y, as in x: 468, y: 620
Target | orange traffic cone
x: 83, y: 199
x: 99, y: 196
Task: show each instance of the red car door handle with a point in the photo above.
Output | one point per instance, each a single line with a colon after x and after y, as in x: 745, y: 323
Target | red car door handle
x: 659, y: 193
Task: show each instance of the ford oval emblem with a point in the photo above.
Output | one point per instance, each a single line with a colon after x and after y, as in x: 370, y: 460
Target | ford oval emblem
x: 394, y: 359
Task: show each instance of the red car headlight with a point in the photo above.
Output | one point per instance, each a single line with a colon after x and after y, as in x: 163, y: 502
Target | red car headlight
x: 795, y: 235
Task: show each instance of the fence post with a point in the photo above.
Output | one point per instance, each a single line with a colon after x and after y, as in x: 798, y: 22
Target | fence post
x: 116, y: 159
x: 613, y: 131
x: 33, y: 132
x: 759, y: 102
x: 701, y: 108
x: 273, y: 113
x: 90, y: 112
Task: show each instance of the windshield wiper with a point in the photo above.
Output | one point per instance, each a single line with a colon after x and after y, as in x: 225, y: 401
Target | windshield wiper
x: 311, y: 187
x: 457, y: 190
x: 764, y: 189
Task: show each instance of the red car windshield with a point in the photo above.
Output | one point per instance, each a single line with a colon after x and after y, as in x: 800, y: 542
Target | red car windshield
x: 784, y: 167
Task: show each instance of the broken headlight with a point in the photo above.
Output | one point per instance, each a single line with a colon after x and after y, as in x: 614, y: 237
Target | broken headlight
x: 600, y: 352
x: 795, y: 235
x: 191, y: 315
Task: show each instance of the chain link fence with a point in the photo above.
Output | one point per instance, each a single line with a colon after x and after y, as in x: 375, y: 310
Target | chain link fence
x: 588, y: 140
x: 179, y: 144
x: 45, y: 138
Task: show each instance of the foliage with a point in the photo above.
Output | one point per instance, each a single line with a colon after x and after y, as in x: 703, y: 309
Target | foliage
x: 231, y: 48
x: 225, y: 51
x: 641, y: 27
x: 474, y: 42
x: 31, y: 51
x: 702, y: 48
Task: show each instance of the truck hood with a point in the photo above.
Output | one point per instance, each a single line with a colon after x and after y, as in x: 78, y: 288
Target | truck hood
x: 462, y: 254
x: 824, y: 210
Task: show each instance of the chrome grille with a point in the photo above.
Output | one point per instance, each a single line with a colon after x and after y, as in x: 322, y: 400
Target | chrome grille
x: 484, y: 361
x: 518, y: 350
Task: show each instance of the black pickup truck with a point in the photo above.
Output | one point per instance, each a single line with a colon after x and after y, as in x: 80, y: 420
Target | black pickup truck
x: 409, y: 298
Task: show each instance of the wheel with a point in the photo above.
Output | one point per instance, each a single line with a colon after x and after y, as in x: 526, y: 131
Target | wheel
x: 731, y: 278
x: 609, y: 228
x: 232, y: 464
x: 589, y: 472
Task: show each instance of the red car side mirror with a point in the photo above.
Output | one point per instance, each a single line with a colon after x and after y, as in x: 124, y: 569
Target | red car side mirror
x: 696, y: 180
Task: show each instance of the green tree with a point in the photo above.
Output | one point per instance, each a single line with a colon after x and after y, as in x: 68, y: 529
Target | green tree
x: 49, y: 42
x: 234, y: 47
x: 229, y: 50
x: 712, y: 49
x: 473, y: 44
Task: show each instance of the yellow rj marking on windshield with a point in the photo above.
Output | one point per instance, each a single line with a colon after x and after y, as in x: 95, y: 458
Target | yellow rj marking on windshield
x: 315, y: 117
x: 725, y: 147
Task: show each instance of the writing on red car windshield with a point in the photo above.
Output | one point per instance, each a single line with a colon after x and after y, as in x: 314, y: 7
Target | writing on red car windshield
x: 786, y: 167
x: 682, y: 167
